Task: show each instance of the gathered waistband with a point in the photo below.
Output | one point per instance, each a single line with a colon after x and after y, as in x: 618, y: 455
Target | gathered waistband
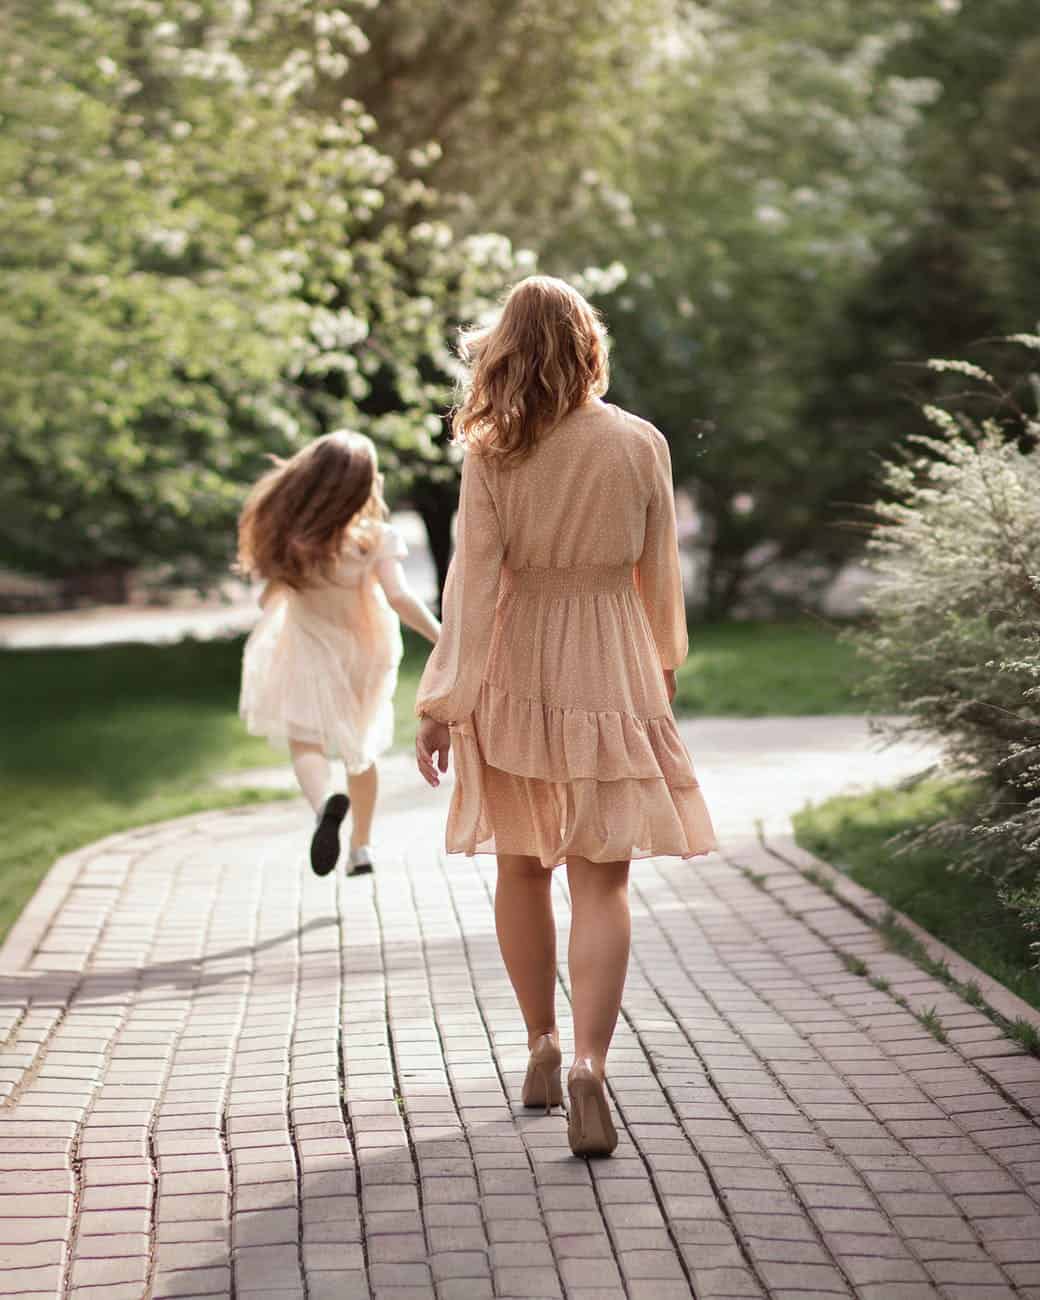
x: 561, y: 582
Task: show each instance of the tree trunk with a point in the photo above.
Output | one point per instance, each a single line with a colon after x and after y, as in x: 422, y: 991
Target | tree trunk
x: 724, y: 579
x: 109, y: 586
x: 436, y: 504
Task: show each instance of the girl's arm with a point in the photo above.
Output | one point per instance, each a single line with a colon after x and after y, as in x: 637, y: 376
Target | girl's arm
x: 409, y: 608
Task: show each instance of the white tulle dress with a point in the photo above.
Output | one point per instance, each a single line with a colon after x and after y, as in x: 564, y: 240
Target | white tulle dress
x: 321, y: 665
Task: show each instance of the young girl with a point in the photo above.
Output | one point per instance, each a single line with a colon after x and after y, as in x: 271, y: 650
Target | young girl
x: 320, y: 669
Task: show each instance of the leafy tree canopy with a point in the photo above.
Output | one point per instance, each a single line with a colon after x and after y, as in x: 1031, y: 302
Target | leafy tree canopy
x: 201, y: 268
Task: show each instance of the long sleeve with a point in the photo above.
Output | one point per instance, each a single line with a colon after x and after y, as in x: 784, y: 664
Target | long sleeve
x: 455, y: 669
x: 658, y: 572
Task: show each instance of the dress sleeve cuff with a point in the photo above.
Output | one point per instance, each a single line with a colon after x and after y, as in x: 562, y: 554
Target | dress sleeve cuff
x: 424, y: 711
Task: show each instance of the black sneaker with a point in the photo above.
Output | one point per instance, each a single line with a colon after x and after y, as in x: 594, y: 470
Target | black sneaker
x: 325, y: 840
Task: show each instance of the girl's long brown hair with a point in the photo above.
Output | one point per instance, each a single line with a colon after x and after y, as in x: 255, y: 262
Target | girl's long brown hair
x: 296, y: 518
x: 545, y: 355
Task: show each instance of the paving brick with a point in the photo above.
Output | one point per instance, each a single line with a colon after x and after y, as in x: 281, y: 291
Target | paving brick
x: 411, y: 1275
x: 528, y: 1283
x: 749, y: 1060
x: 31, y: 1255
x: 590, y: 1273
x: 108, y: 1271
x: 197, y: 1282
x: 397, y: 1247
x: 661, y: 1264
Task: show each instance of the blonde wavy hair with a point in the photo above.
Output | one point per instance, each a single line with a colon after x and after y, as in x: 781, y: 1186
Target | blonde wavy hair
x: 545, y: 355
x: 297, y: 518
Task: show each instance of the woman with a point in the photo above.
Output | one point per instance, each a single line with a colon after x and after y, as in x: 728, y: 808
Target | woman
x: 563, y: 625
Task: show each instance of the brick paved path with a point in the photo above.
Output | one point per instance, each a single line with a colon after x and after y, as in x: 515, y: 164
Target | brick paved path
x: 224, y: 1077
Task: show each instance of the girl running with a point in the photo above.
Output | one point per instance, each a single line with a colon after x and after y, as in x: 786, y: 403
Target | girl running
x: 320, y: 668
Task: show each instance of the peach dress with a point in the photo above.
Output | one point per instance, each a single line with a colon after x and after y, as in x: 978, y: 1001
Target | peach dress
x: 562, y: 605
x: 321, y: 665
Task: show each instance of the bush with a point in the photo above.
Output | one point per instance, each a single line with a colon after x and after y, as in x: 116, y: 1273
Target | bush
x: 954, y: 638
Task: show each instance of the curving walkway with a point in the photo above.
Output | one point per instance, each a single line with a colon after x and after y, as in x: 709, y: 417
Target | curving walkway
x: 224, y: 1077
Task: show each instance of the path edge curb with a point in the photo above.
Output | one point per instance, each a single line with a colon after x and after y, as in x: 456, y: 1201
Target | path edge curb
x: 875, y: 910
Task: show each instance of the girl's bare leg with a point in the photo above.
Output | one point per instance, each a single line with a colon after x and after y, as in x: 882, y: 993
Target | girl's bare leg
x: 313, y: 773
x: 527, y: 937
x: 597, y: 953
x: 363, y: 787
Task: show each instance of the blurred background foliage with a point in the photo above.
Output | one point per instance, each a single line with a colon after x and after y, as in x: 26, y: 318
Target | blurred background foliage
x: 231, y: 224
x: 951, y: 650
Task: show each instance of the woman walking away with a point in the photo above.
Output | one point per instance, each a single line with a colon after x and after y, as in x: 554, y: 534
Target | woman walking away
x: 552, y: 682
x: 320, y: 668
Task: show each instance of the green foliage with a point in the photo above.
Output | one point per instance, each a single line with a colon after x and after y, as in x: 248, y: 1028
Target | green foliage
x: 201, y: 267
x: 767, y: 669
x: 961, y: 268
x: 954, y: 643
x: 776, y: 170
x: 1026, y: 1033
x: 518, y: 114
x: 233, y: 226
x: 932, y: 1021
x: 737, y: 168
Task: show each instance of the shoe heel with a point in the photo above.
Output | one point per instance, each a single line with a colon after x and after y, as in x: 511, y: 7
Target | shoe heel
x: 549, y: 1087
x: 542, y: 1086
x: 590, y: 1129
x: 578, y: 1102
x: 555, y: 1088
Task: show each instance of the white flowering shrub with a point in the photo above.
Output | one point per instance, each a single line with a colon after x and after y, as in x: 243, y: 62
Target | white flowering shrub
x: 204, y: 261
x: 954, y: 640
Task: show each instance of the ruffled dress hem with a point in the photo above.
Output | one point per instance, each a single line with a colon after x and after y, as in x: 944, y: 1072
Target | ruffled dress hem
x: 278, y: 733
x: 550, y: 782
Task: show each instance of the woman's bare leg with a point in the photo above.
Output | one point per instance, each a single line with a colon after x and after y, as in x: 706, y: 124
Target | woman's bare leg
x: 597, y: 953
x: 527, y: 937
x: 363, y: 787
x: 313, y: 773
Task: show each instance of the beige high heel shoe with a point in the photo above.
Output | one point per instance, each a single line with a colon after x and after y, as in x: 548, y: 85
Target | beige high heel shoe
x: 542, y: 1085
x: 590, y: 1129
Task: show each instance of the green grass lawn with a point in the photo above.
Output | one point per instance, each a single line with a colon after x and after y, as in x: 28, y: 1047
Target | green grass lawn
x: 95, y: 741
x: 751, y: 670
x: 854, y: 834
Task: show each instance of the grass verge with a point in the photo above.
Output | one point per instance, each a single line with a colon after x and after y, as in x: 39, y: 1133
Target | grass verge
x: 855, y: 834
x: 96, y: 741
x: 750, y: 670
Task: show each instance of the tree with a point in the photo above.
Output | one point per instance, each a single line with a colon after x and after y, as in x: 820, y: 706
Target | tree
x: 501, y: 113
x: 962, y: 270
x: 201, y: 268
x: 776, y: 172
x: 759, y: 171
x: 513, y: 110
